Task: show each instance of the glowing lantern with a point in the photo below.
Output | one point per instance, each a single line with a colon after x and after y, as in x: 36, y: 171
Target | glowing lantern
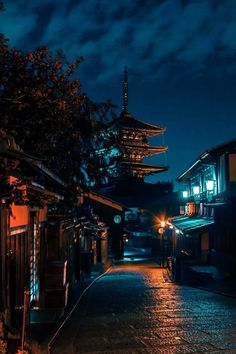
x: 117, y: 219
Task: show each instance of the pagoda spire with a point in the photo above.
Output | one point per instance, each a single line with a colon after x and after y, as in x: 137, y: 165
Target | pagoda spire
x: 134, y: 145
x: 125, y: 91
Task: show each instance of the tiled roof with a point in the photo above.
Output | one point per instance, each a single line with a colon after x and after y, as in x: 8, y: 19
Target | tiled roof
x: 128, y: 121
x: 187, y: 223
x: 144, y: 147
x: 142, y: 166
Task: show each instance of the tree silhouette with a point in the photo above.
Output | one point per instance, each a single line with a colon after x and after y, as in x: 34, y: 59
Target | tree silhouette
x: 43, y: 107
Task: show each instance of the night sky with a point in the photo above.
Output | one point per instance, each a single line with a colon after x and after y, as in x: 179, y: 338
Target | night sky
x: 181, y: 57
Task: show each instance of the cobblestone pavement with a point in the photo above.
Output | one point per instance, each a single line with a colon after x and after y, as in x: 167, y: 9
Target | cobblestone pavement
x: 136, y: 309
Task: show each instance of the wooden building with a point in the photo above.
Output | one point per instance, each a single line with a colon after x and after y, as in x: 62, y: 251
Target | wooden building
x: 206, y: 228
x: 45, y: 248
x: 112, y: 214
x: 23, y: 212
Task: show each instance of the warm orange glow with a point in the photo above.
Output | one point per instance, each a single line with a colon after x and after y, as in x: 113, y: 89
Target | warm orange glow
x: 163, y: 223
x: 20, y: 215
x: 22, y: 188
x: 43, y: 214
x: 161, y: 220
x: 13, y: 179
x: 192, y: 209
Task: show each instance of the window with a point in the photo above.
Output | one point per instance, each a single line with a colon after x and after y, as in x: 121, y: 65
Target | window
x: 34, y: 264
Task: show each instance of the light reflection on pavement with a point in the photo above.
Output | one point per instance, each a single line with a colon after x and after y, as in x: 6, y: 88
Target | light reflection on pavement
x: 136, y: 309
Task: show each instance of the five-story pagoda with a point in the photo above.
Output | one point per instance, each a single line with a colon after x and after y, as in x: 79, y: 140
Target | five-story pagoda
x: 134, y: 144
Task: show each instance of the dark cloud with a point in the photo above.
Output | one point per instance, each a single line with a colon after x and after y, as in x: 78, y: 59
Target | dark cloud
x: 141, y: 34
x: 43, y: 16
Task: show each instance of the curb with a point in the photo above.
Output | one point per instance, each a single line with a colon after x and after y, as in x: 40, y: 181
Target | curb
x: 199, y: 287
x: 215, y: 292
x: 49, y: 344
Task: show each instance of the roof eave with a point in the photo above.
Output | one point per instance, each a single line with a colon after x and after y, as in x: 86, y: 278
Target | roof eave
x: 208, y: 156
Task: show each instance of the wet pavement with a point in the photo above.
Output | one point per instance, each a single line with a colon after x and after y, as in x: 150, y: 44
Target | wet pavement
x: 135, y: 308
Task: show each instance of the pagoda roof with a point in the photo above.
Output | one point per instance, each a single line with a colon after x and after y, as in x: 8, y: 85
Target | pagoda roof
x: 127, y: 120
x: 147, y: 169
x: 154, y: 149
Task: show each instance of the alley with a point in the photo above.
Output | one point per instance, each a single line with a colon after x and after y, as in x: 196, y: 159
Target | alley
x: 134, y: 308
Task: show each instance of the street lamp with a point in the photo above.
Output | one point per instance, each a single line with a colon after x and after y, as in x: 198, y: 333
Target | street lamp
x: 163, y: 223
x: 161, y: 231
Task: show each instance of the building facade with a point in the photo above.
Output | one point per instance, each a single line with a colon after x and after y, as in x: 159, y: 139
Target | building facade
x: 206, y: 228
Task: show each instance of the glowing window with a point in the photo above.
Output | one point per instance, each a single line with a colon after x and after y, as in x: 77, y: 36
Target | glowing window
x: 210, y: 185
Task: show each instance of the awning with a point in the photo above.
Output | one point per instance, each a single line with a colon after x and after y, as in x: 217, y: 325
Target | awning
x: 187, y: 223
x: 215, y: 205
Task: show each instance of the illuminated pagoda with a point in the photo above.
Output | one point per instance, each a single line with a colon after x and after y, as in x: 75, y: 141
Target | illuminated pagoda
x: 134, y: 143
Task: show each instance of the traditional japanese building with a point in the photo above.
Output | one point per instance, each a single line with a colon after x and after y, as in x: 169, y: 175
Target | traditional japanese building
x: 205, y: 228
x: 134, y: 144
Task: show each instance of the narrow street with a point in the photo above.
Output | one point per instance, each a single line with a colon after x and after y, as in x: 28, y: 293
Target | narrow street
x: 134, y: 308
